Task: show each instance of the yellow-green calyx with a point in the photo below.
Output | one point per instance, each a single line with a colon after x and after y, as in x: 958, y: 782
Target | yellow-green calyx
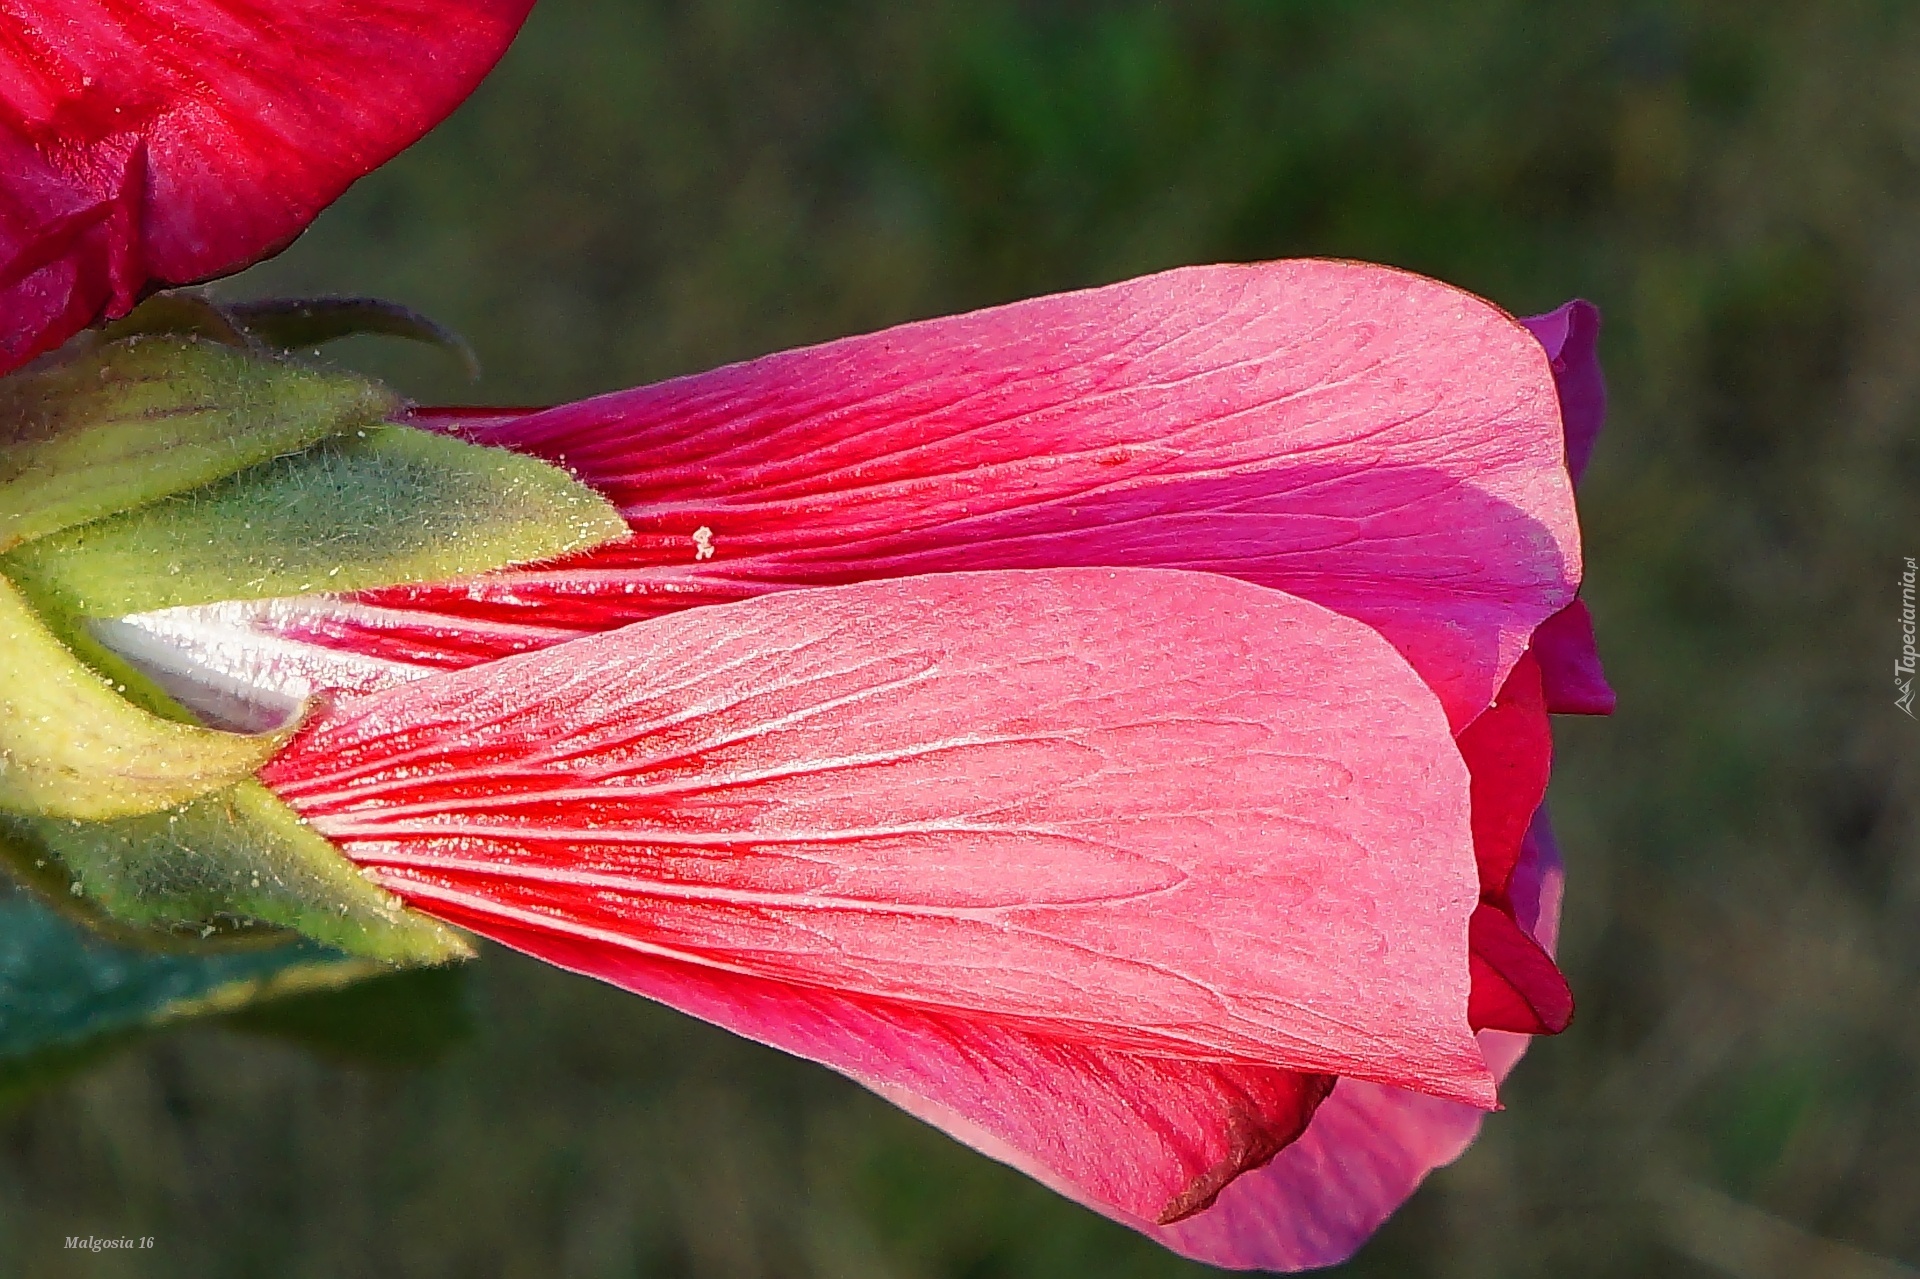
x: 171, y: 468
x: 71, y: 746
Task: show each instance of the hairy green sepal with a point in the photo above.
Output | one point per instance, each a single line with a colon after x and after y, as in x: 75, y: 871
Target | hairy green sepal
x: 71, y: 746
x: 132, y: 421
x: 385, y: 506
x: 228, y: 863
x: 173, y: 461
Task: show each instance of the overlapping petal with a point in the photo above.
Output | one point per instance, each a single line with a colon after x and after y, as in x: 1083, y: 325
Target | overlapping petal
x: 149, y: 142
x: 1106, y: 863
x: 1509, y: 755
x: 1371, y: 440
x: 1365, y: 1151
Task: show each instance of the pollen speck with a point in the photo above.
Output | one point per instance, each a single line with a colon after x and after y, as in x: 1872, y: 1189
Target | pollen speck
x: 703, y: 543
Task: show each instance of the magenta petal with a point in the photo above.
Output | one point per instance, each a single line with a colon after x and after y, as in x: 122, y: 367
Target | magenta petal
x: 1374, y: 441
x: 166, y: 141
x: 1571, y: 335
x: 1161, y: 816
x: 1369, y: 1146
x: 1366, y: 1151
x: 1570, y: 664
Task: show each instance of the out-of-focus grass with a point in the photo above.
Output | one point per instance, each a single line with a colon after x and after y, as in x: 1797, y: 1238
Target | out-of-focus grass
x: 650, y: 188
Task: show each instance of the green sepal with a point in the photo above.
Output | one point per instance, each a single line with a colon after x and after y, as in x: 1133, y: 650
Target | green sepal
x: 389, y: 505
x: 228, y: 865
x: 72, y: 747
x: 122, y: 424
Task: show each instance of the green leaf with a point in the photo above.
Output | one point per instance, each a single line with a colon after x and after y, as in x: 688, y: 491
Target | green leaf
x: 66, y: 994
x: 132, y: 421
x: 400, y: 1019
x: 387, y: 506
x: 227, y: 863
x: 290, y: 323
x: 71, y: 747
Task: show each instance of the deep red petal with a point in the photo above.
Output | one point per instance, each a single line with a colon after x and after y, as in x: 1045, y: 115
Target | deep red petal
x: 1170, y: 812
x: 1374, y: 441
x: 1509, y: 753
x: 1516, y: 984
x: 1369, y: 1146
x: 1571, y: 335
x: 165, y: 141
x: 1569, y: 661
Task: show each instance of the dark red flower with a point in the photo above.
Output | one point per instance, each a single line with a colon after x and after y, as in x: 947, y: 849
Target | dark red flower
x: 155, y: 142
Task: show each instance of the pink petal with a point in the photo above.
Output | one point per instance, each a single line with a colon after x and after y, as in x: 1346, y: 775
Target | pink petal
x: 1110, y: 772
x: 1570, y: 664
x: 1374, y: 441
x: 1063, y: 829
x: 165, y: 141
x: 1369, y: 1146
x: 1571, y: 335
x: 1366, y: 1151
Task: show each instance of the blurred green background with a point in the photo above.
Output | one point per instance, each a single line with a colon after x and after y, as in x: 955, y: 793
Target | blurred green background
x: 649, y: 188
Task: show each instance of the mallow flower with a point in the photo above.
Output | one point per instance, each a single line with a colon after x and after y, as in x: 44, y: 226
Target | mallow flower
x: 1112, y: 727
